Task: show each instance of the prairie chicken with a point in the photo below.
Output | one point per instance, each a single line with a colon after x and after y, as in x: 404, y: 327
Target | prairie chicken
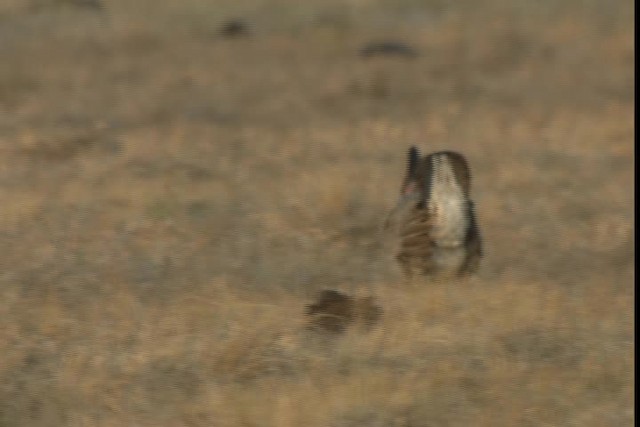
x: 434, y: 219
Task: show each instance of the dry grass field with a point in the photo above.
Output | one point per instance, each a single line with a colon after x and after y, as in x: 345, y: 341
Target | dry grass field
x: 172, y: 198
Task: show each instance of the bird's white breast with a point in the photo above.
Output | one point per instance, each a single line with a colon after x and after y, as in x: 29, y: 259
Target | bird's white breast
x: 448, y: 205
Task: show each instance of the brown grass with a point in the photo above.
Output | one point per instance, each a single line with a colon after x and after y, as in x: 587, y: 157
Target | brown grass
x: 172, y: 199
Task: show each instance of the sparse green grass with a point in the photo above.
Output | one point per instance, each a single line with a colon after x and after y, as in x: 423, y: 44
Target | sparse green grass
x: 172, y: 199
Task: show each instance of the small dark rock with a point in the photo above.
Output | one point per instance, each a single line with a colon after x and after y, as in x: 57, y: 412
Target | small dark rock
x: 40, y: 5
x: 234, y: 28
x: 388, y: 48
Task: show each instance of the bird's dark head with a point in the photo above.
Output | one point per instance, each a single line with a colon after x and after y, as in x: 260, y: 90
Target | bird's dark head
x: 412, y: 185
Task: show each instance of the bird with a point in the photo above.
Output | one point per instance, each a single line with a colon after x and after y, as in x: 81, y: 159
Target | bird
x: 434, y: 220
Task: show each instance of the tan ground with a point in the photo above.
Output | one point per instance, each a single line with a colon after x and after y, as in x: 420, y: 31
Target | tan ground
x: 171, y: 200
